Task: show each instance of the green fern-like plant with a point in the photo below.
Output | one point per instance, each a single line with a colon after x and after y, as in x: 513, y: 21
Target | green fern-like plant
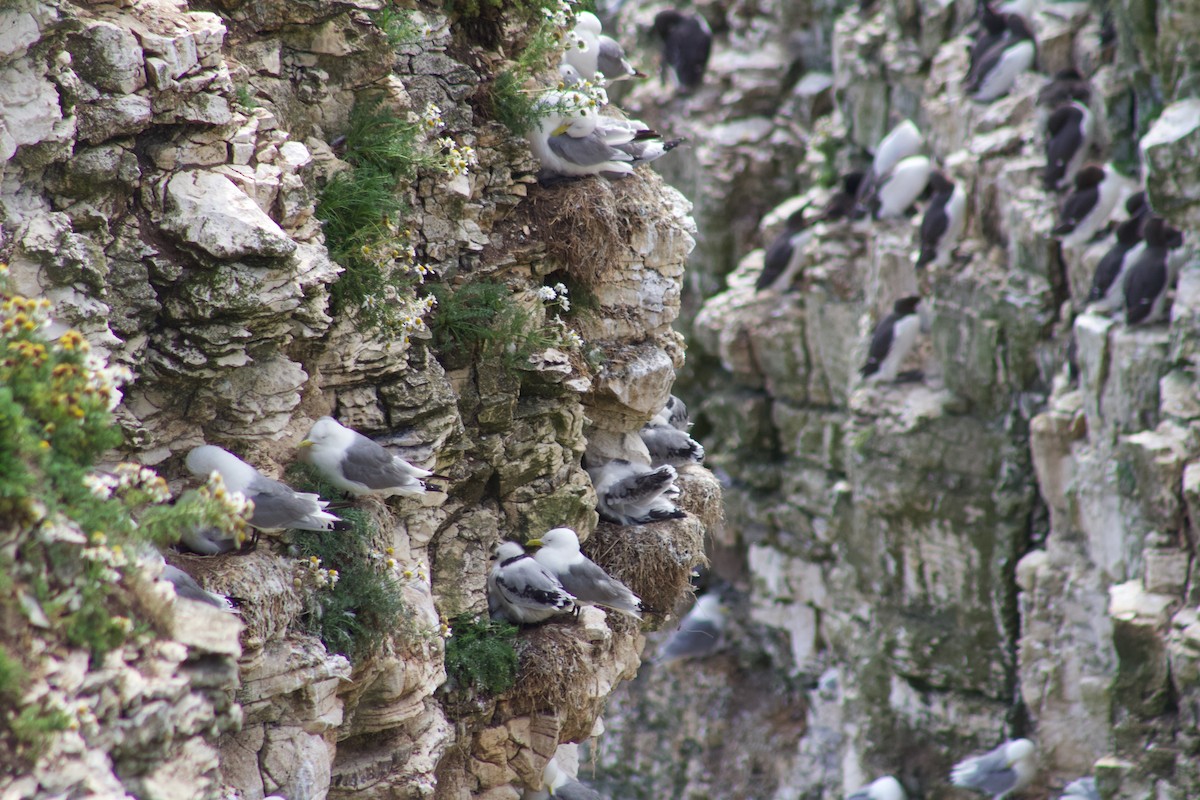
x: 480, y: 654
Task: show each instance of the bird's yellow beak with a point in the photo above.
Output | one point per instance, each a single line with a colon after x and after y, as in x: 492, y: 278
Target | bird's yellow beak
x: 561, y: 129
x: 534, y: 543
x: 306, y: 443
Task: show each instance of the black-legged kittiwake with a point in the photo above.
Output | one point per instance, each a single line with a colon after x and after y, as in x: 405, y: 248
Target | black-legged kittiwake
x: 675, y: 414
x: 583, y: 45
x: 1007, y: 769
x: 1087, y: 207
x: 686, y: 45
x: 885, y: 788
x: 208, y: 540
x: 1069, y: 132
x: 998, y: 69
x: 187, y: 588
x: 669, y: 445
x: 699, y: 632
x: 1147, y: 280
x: 943, y: 222
x: 892, y: 341
x: 569, y: 141
x: 356, y: 464
x: 523, y: 591
x: 634, y: 494
x: 276, y: 505
x: 612, y: 61
x: 1081, y: 789
x: 559, y: 553
x: 557, y: 783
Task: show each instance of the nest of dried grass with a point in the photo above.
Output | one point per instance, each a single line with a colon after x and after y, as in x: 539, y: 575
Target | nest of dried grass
x: 554, y: 668
x: 655, y: 561
x: 581, y: 225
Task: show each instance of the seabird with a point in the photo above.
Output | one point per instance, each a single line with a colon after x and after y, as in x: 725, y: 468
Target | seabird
x: 187, y: 588
x: 901, y: 142
x: 699, y: 632
x: 522, y: 590
x: 1109, y: 279
x: 991, y: 30
x: 207, y: 540
x: 1148, y: 278
x: 892, y: 341
x: 583, y: 48
x: 1069, y: 135
x: 1066, y: 86
x: 569, y: 143
x: 355, y: 464
x: 1081, y: 789
x: 783, y: 256
x: 592, y: 586
x: 885, y: 788
x: 943, y: 221
x: 999, y: 68
x: 686, y: 45
x: 669, y: 445
x: 1087, y: 207
x: 276, y: 505
x: 612, y: 61
x: 901, y: 187
x: 674, y: 413
x: 562, y: 786
x: 634, y: 494
x: 1008, y: 768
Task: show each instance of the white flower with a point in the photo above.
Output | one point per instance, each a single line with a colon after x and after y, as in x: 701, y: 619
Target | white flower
x: 100, y: 485
x: 547, y: 294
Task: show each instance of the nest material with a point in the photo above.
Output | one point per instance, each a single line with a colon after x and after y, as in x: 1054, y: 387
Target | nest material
x: 655, y: 561
x: 555, y: 669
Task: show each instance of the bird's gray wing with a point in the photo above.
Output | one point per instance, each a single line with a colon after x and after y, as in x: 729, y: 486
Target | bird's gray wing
x: 574, y: 790
x: 641, y: 487
x: 991, y: 773
x: 586, y: 151
x: 694, y: 639
x: 187, y: 588
x: 1081, y: 789
x: 587, y: 581
x: 861, y: 794
x: 677, y: 413
x: 525, y: 582
x: 276, y: 505
x: 207, y: 541
x: 368, y: 463
x: 671, y: 446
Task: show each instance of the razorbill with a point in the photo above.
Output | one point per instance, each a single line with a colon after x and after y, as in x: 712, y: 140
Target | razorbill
x: 1148, y: 278
x: 686, y: 45
x: 902, y: 141
x: 1069, y: 132
x: 991, y: 29
x: 1007, y: 769
x: 892, y: 341
x: 521, y: 590
x: 558, y: 551
x: 1005, y: 61
x: 1066, y: 86
x: 1108, y: 281
x: 358, y: 465
x: 900, y: 187
x: 885, y: 788
x: 943, y: 221
x: 1088, y: 206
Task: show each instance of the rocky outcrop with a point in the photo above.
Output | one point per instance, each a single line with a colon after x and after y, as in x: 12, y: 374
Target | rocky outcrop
x: 160, y: 169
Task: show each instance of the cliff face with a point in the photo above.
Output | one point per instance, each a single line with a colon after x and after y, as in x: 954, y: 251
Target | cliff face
x: 161, y: 167
x: 999, y: 550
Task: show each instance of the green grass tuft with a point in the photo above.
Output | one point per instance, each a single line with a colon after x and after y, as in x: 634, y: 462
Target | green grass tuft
x: 480, y: 654
x: 484, y: 318
x: 12, y: 676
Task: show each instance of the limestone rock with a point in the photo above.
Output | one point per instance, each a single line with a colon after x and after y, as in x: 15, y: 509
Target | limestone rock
x: 209, y: 211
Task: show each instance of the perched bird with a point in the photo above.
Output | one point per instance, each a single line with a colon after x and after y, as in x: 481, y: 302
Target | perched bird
x: 634, y: 494
x: 1147, y: 279
x: 583, y: 45
x: 943, y: 221
x: 674, y: 413
x: 557, y: 783
x: 998, y: 69
x: 885, y: 788
x: 592, y: 586
x: 1081, y: 789
x: 669, y: 445
x: 208, y: 541
x: 699, y: 632
x: 612, y: 61
x: 1008, y: 768
x: 1109, y: 278
x: 1086, y: 209
x: 841, y: 204
x: 1067, y: 85
x: 276, y: 505
x: 782, y: 257
x: 567, y: 141
x: 646, y: 145
x: 901, y: 142
x: 892, y: 341
x: 354, y: 463
x: 990, y: 31
x: 187, y: 588
x: 522, y: 590
x: 686, y: 45
x: 1069, y: 135
x: 901, y: 187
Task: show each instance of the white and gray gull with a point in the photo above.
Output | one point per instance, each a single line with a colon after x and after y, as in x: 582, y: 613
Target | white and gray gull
x: 634, y: 494
x: 1081, y: 789
x: 521, y: 590
x: 885, y: 788
x: 276, y: 505
x: 1007, y: 769
x: 356, y: 464
x: 699, y: 632
x: 559, y: 553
